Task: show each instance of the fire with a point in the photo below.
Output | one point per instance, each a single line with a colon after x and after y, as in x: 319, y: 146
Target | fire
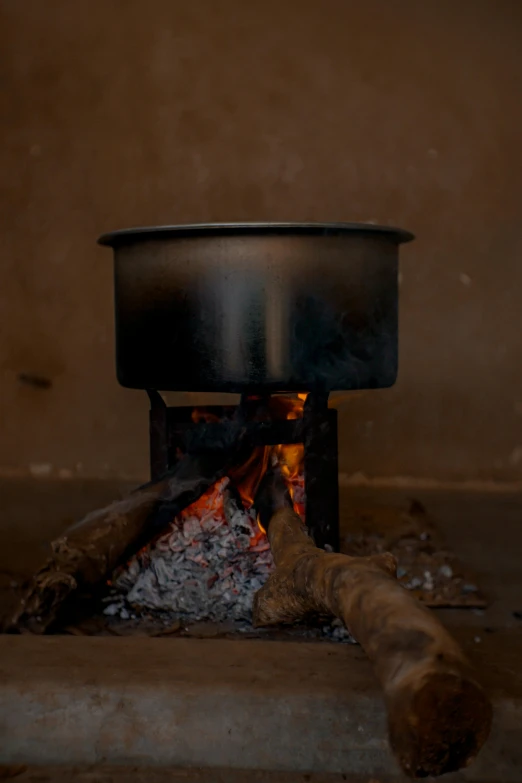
x: 247, y: 477
x: 290, y: 458
x: 209, y: 509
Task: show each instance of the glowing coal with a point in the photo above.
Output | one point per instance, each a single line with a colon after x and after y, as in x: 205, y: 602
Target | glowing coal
x: 208, y: 565
x: 214, y: 556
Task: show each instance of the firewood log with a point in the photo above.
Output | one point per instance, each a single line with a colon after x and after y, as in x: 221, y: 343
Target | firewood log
x: 438, y: 715
x: 88, y: 552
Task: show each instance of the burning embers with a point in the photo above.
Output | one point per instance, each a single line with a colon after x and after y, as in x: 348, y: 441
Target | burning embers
x: 215, y: 554
x: 188, y: 541
x: 208, y: 565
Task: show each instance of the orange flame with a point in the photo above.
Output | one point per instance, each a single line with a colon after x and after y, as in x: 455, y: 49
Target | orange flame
x: 260, y: 526
x: 209, y: 508
x: 247, y: 477
x: 290, y: 459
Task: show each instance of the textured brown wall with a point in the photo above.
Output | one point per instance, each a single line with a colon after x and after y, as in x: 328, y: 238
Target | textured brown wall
x: 122, y: 112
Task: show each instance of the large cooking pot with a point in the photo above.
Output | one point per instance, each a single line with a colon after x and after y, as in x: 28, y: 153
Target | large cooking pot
x: 239, y: 307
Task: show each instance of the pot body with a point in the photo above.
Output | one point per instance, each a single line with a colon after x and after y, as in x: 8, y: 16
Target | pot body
x: 256, y: 307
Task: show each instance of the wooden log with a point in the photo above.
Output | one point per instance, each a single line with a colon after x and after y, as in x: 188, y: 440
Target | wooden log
x: 438, y: 715
x: 88, y: 552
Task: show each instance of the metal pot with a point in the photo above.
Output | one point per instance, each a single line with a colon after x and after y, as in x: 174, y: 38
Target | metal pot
x: 242, y: 307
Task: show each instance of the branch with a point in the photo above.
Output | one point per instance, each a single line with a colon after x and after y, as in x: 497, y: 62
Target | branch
x: 438, y: 715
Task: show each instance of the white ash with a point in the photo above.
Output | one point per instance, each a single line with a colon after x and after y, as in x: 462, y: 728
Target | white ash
x: 467, y: 588
x: 203, y: 568
x: 428, y: 584
x: 113, y: 609
x: 338, y: 632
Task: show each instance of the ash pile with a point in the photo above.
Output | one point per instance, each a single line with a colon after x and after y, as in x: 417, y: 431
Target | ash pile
x: 207, y: 566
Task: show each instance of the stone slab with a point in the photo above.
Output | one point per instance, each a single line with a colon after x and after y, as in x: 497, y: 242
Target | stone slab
x: 275, y: 706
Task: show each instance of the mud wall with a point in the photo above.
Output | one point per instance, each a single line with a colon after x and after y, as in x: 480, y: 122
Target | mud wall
x: 406, y: 113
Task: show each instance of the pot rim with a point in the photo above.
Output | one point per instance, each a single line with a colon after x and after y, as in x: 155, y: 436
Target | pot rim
x: 126, y: 236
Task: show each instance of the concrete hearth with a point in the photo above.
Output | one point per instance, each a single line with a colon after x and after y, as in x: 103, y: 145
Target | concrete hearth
x: 293, y: 709
x: 218, y: 703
